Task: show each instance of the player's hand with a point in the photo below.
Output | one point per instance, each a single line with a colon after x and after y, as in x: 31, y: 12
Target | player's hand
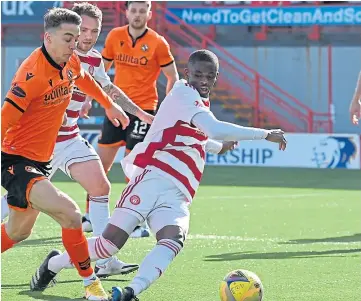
x: 355, y: 112
x: 145, y: 117
x: 277, y: 136
x: 117, y: 116
x: 86, y: 107
x: 227, y: 146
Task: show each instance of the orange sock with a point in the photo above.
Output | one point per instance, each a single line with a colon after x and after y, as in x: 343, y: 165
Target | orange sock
x: 87, y: 204
x: 76, y: 244
x: 6, y: 242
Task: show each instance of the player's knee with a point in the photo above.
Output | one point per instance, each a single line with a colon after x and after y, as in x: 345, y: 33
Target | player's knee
x: 19, y: 234
x: 69, y: 216
x: 172, y: 233
x: 102, y: 188
x: 73, y: 219
x: 118, y: 237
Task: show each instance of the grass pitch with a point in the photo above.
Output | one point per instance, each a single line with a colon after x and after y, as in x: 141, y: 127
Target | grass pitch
x: 299, y: 230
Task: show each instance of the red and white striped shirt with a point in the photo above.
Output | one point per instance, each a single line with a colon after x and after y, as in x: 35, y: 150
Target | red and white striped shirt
x: 93, y: 63
x: 173, y: 147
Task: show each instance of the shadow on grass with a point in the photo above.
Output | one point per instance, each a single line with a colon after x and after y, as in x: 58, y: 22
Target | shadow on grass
x: 27, y: 285
x: 279, y: 255
x: 46, y: 241
x: 341, y: 239
x: 41, y: 296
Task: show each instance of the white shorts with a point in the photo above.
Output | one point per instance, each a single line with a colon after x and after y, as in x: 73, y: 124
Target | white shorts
x: 153, y: 198
x: 71, y: 151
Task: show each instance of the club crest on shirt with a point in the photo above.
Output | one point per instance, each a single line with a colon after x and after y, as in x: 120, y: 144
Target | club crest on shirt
x: 145, y: 47
x: 31, y: 169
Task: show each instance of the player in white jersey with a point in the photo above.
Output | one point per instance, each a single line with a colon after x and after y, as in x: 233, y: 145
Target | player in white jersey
x: 165, y: 171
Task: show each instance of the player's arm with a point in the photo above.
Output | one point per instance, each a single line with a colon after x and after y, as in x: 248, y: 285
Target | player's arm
x: 107, y: 64
x: 220, y: 130
x: 16, y: 102
x: 89, y: 86
x: 167, y: 63
x: 357, y: 94
x: 10, y: 115
x: 171, y: 73
x: 119, y: 97
x: 215, y: 147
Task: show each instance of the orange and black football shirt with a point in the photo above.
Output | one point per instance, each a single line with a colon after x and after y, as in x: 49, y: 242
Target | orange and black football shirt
x: 137, y: 63
x: 34, y: 106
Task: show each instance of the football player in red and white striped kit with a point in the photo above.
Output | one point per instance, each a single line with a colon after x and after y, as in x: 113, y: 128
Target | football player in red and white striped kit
x: 165, y: 171
x: 74, y: 155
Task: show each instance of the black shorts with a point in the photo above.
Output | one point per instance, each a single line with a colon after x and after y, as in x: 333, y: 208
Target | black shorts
x: 116, y: 136
x: 18, y: 175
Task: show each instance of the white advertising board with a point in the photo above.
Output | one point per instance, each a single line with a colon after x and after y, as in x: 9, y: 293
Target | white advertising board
x: 303, y: 150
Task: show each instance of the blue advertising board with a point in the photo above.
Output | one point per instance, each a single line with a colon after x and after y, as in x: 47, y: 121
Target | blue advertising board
x: 270, y: 16
x: 25, y: 12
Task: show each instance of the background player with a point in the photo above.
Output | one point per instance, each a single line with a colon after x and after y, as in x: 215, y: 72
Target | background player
x: 139, y: 54
x: 74, y: 155
x: 31, y: 116
x: 355, y: 105
x: 165, y: 171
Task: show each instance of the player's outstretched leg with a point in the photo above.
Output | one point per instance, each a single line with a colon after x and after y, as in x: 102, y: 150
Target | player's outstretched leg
x: 104, y: 246
x: 98, y: 187
x: 48, y: 199
x: 169, y: 243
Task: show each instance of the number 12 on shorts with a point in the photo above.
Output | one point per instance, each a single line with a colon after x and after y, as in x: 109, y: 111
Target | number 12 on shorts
x: 140, y: 127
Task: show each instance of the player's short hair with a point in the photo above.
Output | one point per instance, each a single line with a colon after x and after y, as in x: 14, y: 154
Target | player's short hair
x: 128, y: 3
x: 203, y: 55
x: 57, y: 16
x: 87, y: 9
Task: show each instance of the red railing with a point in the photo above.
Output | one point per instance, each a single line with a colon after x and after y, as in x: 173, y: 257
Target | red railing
x: 252, y: 87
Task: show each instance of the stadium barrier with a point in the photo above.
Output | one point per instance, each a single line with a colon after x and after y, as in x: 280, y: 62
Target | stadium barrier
x: 303, y: 151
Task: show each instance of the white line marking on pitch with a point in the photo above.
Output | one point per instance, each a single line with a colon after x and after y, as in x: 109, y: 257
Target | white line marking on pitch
x: 275, y: 196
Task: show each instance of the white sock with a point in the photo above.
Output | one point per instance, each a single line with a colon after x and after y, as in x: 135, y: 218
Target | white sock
x: 99, y: 248
x: 4, y: 207
x: 99, y: 213
x: 89, y: 280
x: 59, y: 262
x: 154, y: 264
x: 99, y: 218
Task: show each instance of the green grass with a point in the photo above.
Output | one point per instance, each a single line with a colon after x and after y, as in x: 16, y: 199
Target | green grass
x: 299, y: 230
